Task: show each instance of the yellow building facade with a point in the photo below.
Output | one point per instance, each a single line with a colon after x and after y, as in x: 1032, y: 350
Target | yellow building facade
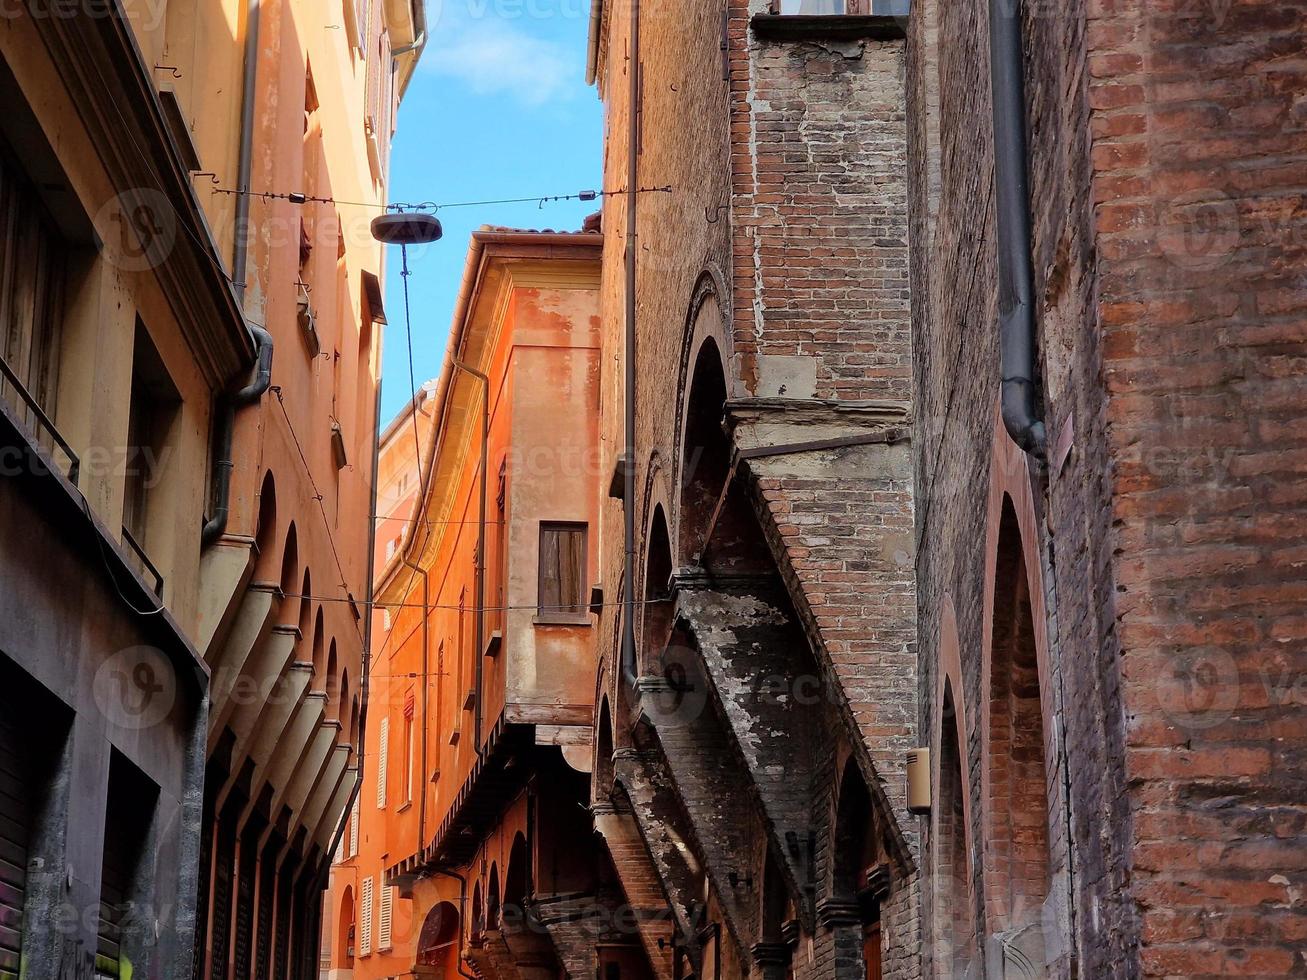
x: 191, y: 344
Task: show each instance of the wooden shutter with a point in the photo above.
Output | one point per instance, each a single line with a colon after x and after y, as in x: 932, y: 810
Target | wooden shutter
x: 383, y: 752
x: 384, y: 919
x: 354, y: 829
x: 365, y: 918
x: 562, y: 568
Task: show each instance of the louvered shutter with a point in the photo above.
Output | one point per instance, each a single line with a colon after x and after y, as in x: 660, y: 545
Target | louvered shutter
x: 365, y: 919
x: 383, y: 753
x: 383, y: 923
x: 354, y: 829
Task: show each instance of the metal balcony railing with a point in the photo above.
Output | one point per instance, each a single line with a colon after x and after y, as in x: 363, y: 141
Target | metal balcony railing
x: 143, y: 564
x: 46, y: 425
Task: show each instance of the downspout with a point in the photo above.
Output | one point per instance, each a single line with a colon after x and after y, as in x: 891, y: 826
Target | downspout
x: 592, y: 45
x: 1016, y: 312
x: 462, y: 915
x: 628, y: 503
x: 479, y: 632
x: 252, y: 392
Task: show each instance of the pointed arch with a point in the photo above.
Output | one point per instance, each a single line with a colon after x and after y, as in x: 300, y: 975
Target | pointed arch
x: 657, y: 612
x: 1019, y: 871
x: 705, y: 451
x: 290, y: 576
x: 603, y: 764
x: 953, y: 899
x: 517, y: 880
x: 319, y: 652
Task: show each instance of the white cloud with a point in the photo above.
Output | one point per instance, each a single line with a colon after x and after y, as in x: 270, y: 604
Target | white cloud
x: 493, y: 57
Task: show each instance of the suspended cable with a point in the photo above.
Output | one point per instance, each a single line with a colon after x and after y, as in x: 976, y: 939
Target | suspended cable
x: 296, y: 197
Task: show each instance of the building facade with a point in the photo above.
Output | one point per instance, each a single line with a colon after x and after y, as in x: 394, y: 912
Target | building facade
x: 469, y: 846
x: 749, y: 746
x: 987, y: 233
x: 1107, y: 619
x: 171, y: 775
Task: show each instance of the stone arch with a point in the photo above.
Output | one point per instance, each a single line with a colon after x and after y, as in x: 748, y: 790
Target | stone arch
x: 1018, y: 878
x: 305, y: 604
x: 517, y: 880
x: 477, y: 925
x: 604, y: 748
x: 492, y: 898
x: 438, y: 939
x: 705, y: 452
x: 953, y: 898
x: 860, y: 875
x: 265, y: 531
x: 657, y: 612
x: 343, y: 947
x: 289, y: 577
x: 342, y: 705
x: 331, y: 679
x: 319, y: 652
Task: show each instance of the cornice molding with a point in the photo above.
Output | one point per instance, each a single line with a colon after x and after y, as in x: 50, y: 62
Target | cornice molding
x: 108, y: 80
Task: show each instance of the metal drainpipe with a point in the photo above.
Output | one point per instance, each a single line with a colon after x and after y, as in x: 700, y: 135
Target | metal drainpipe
x: 1016, y: 313
x: 462, y: 915
x: 480, y: 630
x: 252, y: 392
x: 628, y: 503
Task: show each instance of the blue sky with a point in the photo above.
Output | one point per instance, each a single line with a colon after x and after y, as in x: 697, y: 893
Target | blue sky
x: 498, y: 108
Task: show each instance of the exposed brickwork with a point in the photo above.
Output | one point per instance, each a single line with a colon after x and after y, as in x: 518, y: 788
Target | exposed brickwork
x: 784, y: 247
x: 819, y: 217
x: 1170, y: 350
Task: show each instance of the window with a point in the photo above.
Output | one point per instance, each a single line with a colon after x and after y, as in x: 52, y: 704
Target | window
x: 501, y: 548
x: 562, y: 570
x: 408, y: 751
x: 383, y: 752
x: 385, y: 918
x: 31, y: 290
x: 365, y: 918
x: 354, y: 829
x: 151, y: 413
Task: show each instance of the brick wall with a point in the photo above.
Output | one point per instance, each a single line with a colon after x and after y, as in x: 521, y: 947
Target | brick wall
x: 1197, y: 115
x: 1166, y: 227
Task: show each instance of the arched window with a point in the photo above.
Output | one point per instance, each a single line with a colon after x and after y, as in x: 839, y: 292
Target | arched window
x: 1017, y: 872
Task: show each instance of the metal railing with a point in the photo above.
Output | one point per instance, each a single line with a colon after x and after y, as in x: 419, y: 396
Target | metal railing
x: 144, y: 565
x: 46, y: 423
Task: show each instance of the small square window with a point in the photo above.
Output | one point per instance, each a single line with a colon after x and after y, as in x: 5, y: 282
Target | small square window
x: 562, y: 569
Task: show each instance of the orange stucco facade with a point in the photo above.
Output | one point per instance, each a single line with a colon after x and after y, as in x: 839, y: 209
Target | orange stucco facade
x: 450, y: 815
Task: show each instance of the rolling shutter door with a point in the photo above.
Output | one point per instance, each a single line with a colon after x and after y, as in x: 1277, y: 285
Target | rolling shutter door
x: 17, y: 792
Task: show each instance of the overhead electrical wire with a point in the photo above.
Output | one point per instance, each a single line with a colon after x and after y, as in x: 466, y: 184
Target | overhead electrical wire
x: 296, y: 197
